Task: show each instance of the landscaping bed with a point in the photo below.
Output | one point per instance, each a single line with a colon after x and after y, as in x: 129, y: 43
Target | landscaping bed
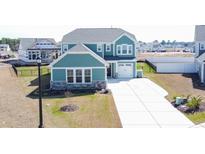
x: 179, y: 85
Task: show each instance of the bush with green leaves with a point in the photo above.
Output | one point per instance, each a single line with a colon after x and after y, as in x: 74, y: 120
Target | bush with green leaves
x: 194, y: 103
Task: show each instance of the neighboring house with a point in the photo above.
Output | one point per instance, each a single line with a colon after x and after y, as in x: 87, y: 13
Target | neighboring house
x: 4, y: 49
x: 91, y: 55
x: 32, y: 48
x: 200, y: 51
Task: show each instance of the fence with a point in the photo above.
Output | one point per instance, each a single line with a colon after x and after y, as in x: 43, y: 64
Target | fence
x: 30, y: 72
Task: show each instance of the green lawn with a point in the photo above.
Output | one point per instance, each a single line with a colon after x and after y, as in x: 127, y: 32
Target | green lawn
x: 31, y: 70
x: 176, y: 85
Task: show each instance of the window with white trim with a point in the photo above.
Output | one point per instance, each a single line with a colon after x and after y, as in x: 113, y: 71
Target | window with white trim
x: 124, y: 49
x: 70, y: 76
x: 130, y: 49
x: 119, y: 49
x: 87, y: 75
x: 99, y: 47
x: 108, y: 47
x: 65, y: 48
x: 79, y: 76
x: 202, y: 46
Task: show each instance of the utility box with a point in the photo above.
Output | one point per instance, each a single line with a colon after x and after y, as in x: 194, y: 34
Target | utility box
x: 140, y: 74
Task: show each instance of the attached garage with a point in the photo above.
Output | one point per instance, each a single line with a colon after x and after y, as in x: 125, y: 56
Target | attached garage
x: 174, y: 64
x: 125, y: 70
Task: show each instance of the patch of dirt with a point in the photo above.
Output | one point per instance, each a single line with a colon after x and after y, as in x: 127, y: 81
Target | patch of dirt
x: 69, y: 108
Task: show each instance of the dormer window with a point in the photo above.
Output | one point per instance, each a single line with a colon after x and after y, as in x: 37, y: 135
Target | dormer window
x: 99, y: 48
x: 108, y: 47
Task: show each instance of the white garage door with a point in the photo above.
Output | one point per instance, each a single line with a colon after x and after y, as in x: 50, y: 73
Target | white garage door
x: 125, y: 70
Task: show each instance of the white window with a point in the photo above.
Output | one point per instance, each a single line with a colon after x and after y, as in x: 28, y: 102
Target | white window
x: 108, y: 47
x: 65, y: 48
x: 124, y: 49
x: 70, y: 77
x: 79, y: 76
x: 87, y: 75
x: 118, y: 49
x: 99, y: 48
x: 130, y: 49
x: 202, y: 46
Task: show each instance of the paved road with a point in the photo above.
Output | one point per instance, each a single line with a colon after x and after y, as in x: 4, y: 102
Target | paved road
x: 16, y: 110
x: 142, y: 103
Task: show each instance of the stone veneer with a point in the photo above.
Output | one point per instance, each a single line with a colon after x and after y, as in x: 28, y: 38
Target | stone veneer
x: 61, y: 85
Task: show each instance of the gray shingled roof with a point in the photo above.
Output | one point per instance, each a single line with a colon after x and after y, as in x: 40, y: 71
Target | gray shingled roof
x: 83, y: 35
x: 199, y: 33
x: 79, y: 48
x: 27, y: 43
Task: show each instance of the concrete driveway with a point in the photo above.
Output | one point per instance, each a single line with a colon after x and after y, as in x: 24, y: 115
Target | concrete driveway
x: 142, y: 103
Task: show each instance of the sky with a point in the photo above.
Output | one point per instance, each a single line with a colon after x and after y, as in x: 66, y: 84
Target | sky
x: 149, y: 20
x: 142, y: 33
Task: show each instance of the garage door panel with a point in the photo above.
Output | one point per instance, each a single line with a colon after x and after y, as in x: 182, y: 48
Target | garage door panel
x: 125, y: 70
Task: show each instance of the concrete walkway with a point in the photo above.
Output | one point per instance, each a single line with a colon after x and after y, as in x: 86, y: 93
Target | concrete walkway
x: 142, y: 103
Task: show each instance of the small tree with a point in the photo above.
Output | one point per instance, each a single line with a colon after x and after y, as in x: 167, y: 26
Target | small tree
x: 194, y: 103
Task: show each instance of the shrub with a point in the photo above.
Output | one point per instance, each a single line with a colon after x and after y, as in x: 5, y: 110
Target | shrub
x: 194, y: 103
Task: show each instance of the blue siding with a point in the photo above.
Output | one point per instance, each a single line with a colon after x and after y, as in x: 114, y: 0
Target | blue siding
x: 108, y: 53
x: 125, y: 40
x: 59, y: 75
x: 98, y: 74
x: 93, y: 47
x: 71, y: 45
x: 78, y: 60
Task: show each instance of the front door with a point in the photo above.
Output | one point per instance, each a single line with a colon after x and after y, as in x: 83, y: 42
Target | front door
x: 109, y: 70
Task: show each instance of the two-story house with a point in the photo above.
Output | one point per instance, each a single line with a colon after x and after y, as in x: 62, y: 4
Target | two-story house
x: 200, y: 51
x: 32, y: 48
x: 91, y: 55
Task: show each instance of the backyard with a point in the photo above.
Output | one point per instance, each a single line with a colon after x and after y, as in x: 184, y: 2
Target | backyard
x: 177, y: 85
x: 95, y: 109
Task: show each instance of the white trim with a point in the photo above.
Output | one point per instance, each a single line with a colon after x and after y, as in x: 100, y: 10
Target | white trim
x: 125, y: 34
x: 83, y: 75
x: 83, y: 52
x: 202, y: 73
x: 51, y: 74
x: 121, y: 49
x: 101, y: 46
x: 110, y: 46
x: 78, y: 67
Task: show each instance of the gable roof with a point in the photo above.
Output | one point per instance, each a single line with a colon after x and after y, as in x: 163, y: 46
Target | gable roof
x: 199, y: 33
x: 27, y: 43
x: 83, y: 35
x: 79, y: 49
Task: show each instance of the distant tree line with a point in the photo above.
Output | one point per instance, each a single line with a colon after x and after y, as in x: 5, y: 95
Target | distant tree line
x: 13, y: 43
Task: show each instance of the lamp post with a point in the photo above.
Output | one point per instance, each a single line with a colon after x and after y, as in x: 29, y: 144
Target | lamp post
x: 40, y: 94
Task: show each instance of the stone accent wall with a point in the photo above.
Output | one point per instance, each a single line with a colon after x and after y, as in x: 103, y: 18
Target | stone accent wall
x: 61, y: 85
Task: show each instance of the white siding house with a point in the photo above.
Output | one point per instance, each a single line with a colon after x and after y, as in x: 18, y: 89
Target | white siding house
x: 32, y: 48
x: 199, y: 40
